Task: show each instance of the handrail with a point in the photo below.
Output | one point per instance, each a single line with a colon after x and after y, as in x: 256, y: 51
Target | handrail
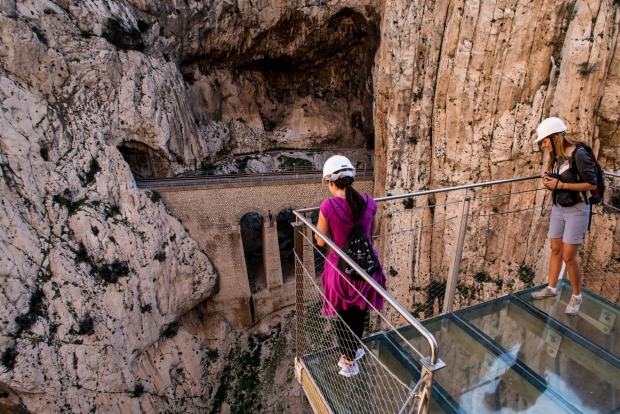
x: 430, y: 363
x: 434, y: 358
x: 413, y: 321
x: 439, y: 190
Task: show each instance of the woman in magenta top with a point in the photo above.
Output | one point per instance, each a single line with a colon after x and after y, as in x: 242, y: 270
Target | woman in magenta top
x: 336, y: 219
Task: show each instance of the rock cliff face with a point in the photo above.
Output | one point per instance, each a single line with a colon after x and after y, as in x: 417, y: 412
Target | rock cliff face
x: 94, y: 274
x: 460, y: 89
x: 103, y: 292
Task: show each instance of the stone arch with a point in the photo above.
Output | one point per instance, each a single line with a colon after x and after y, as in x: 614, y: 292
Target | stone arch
x: 244, y: 210
x: 285, y: 243
x: 145, y: 161
x: 251, y: 229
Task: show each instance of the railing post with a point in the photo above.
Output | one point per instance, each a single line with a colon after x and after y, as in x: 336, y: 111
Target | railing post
x: 563, y: 272
x: 298, y: 228
x: 457, y: 254
x: 426, y: 388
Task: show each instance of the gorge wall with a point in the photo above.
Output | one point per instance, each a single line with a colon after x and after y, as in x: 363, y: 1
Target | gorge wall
x: 460, y: 90
x: 104, y: 293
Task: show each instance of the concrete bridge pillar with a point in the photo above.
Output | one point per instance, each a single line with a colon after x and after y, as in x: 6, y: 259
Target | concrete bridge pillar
x: 271, y: 254
x: 226, y: 251
x: 309, y: 259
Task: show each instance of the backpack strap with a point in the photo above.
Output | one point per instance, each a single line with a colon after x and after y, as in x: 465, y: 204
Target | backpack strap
x: 349, y: 219
x: 575, y: 171
x: 556, y: 172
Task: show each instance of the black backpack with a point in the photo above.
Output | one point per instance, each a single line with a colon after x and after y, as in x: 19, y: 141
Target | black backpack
x: 359, y: 249
x: 596, y: 196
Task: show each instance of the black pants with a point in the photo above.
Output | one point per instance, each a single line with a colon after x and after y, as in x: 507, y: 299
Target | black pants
x: 351, y: 325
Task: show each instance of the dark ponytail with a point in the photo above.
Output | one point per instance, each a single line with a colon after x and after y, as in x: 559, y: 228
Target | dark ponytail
x: 354, y: 199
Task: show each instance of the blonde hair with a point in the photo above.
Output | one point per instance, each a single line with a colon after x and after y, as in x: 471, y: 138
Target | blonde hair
x: 561, y: 141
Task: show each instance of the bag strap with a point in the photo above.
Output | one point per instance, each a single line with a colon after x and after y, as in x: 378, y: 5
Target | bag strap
x: 349, y: 219
x: 331, y: 203
x: 575, y: 171
x: 579, y: 179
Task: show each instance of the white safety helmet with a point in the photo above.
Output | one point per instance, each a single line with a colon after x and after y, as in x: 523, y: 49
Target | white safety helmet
x: 549, y: 126
x: 336, y: 167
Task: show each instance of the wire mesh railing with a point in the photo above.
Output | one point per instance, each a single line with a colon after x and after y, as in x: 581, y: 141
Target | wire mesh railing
x: 446, y: 248
x: 443, y: 250
x: 375, y: 389
x: 409, y: 232
x: 486, y: 240
x: 321, y: 341
x: 305, y: 174
x: 600, y: 253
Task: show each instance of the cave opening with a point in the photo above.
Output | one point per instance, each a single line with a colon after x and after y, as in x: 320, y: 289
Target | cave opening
x: 145, y: 161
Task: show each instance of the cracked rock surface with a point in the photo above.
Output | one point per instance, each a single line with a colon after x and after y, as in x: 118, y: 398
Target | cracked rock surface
x: 104, y: 295
x: 102, y: 290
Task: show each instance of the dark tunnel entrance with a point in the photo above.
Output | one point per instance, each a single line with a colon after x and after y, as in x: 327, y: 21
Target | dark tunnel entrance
x: 145, y: 161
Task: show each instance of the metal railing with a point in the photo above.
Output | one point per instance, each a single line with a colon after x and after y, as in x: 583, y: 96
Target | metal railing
x: 442, y: 250
x: 377, y: 388
x: 600, y: 252
x: 241, y: 178
x: 472, y: 226
x: 388, y: 393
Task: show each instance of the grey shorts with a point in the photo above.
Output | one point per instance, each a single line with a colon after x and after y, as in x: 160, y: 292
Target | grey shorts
x: 569, y: 223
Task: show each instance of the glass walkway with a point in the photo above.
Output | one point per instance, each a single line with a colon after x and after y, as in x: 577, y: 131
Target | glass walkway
x: 508, y: 355
x: 461, y: 333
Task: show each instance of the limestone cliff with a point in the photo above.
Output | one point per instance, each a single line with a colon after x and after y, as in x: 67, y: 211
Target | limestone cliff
x: 102, y: 289
x: 103, y: 292
x: 94, y: 274
x: 460, y: 89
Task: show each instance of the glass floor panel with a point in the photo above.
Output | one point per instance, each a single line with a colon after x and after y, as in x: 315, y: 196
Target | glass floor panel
x: 477, y: 379
x: 407, y: 370
x: 598, y: 320
x: 571, y: 368
x: 508, y: 355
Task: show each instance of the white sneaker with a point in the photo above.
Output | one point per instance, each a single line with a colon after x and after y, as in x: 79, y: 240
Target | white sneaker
x: 359, y: 354
x: 573, y: 306
x: 544, y: 294
x: 349, y: 369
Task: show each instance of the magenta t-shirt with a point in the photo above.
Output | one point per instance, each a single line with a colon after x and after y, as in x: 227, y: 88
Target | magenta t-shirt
x: 338, y: 214
x: 338, y: 289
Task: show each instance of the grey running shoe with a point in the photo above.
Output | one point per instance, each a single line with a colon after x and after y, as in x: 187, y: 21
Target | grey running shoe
x: 359, y: 354
x: 349, y: 369
x: 573, y: 306
x: 544, y: 294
